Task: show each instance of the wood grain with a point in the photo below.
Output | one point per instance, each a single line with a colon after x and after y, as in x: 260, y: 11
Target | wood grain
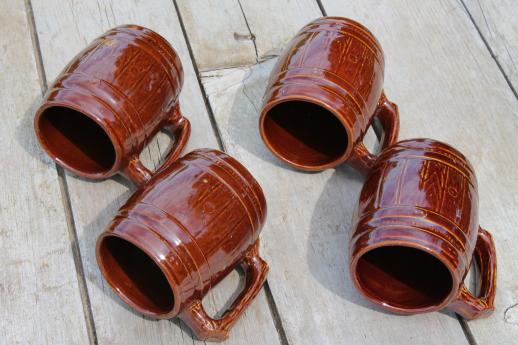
x: 40, y: 301
x: 234, y: 33
x: 449, y: 88
x: 223, y: 42
x: 64, y: 28
x: 274, y: 23
x: 498, y: 24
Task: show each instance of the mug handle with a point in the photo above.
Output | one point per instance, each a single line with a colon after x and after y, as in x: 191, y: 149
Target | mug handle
x: 388, y: 114
x: 467, y: 305
x: 209, y: 329
x: 180, y: 128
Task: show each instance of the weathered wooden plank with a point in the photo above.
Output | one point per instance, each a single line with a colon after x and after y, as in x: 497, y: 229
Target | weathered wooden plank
x: 40, y: 301
x: 448, y: 87
x: 274, y: 23
x: 64, y: 29
x: 241, y: 32
x: 497, y: 22
x: 219, y: 30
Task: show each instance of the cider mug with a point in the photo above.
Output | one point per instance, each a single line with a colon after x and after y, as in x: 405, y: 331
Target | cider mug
x: 324, y: 93
x: 110, y: 101
x: 416, y: 232
x: 180, y: 234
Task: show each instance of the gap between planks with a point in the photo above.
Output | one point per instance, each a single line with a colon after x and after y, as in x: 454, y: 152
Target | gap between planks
x: 467, y: 331
x: 321, y: 7
x: 252, y: 36
x: 65, y: 197
x: 274, y: 312
x: 464, y: 324
x: 488, y: 47
x: 212, y: 119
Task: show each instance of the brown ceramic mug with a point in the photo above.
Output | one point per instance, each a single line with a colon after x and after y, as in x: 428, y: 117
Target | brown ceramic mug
x: 324, y: 93
x: 416, y: 231
x: 110, y: 101
x: 182, y: 233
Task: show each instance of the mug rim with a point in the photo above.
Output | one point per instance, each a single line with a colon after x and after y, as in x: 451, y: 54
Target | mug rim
x: 104, y: 126
x: 172, y: 284
x: 447, y: 300
x: 272, y: 103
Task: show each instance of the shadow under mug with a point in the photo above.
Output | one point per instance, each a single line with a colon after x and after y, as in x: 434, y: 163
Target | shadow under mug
x: 110, y: 101
x: 183, y: 232
x: 323, y: 94
x: 417, y: 231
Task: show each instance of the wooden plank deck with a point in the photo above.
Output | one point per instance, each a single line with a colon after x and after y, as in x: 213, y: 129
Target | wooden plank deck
x: 450, y: 66
x: 37, y: 271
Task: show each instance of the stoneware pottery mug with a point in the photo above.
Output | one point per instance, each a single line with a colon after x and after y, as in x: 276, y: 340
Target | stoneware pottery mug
x: 323, y: 95
x: 110, y: 101
x: 416, y: 232
x: 179, y: 235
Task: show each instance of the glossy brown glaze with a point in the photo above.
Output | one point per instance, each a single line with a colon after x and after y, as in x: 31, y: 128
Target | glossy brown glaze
x: 110, y: 101
x: 416, y: 231
x: 324, y: 93
x: 183, y: 232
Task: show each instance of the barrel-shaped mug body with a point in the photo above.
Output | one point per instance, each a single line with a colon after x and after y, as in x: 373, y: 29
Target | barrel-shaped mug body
x: 110, y: 101
x: 337, y: 61
x: 196, y: 218
x: 416, y: 226
x: 323, y: 94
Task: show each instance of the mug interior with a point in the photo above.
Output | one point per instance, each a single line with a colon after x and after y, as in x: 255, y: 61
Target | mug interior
x: 135, y: 276
x: 404, y: 277
x: 305, y: 133
x: 76, y: 140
